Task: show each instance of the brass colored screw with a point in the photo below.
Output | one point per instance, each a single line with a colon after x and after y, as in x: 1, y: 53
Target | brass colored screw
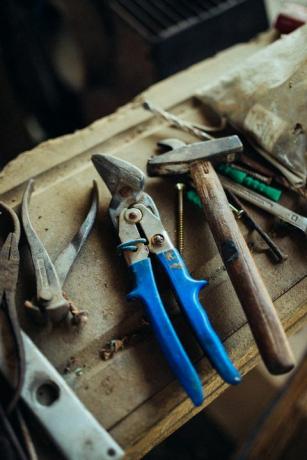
x: 180, y: 226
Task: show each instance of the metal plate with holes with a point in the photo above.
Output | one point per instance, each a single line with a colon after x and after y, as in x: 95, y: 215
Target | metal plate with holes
x: 56, y: 406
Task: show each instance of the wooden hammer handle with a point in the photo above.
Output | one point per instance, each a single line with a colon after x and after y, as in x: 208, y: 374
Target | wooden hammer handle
x: 245, y: 277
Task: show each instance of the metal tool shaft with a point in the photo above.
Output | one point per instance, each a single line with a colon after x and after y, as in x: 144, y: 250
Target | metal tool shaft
x: 180, y: 218
x: 273, y: 208
x: 275, y: 251
x: 71, y: 426
x: 50, y: 303
x: 9, y: 268
x: 196, y: 130
x: 66, y: 258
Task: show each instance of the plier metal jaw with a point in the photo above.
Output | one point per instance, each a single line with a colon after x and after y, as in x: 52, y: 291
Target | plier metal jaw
x: 9, y: 268
x: 50, y: 304
x: 137, y: 221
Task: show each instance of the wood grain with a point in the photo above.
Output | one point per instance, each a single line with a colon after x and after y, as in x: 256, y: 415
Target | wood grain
x: 283, y: 433
x: 245, y: 277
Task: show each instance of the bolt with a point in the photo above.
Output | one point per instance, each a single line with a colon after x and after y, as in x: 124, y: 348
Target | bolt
x: 180, y: 227
x: 157, y: 240
x: 133, y: 215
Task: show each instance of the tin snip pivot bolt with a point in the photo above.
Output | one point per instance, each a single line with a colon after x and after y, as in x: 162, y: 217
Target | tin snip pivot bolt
x: 134, y: 214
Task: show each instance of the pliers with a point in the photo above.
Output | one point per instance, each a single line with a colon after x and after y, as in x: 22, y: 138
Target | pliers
x: 137, y: 221
x: 9, y: 267
x: 49, y: 302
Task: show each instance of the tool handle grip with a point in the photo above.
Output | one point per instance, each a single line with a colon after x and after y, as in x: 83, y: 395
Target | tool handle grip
x: 254, y: 184
x: 146, y: 290
x: 187, y: 293
x: 247, y: 282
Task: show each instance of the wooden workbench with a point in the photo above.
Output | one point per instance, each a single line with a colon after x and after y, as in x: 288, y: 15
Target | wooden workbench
x: 133, y: 394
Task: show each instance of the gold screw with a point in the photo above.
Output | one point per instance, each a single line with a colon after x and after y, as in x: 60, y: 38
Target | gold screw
x: 180, y: 227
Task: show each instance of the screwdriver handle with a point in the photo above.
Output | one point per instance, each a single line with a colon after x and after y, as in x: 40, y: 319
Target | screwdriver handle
x: 245, y: 277
x: 241, y: 177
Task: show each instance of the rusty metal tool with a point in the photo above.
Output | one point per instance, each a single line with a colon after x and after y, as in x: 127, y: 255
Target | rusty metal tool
x: 277, y: 254
x: 10, y: 333
x: 136, y: 219
x: 9, y: 266
x: 180, y: 217
x: 70, y: 425
x: 261, y: 177
x: 241, y: 212
x: 49, y: 302
x: 277, y: 210
x: 224, y: 149
x: 200, y: 131
x: 247, y: 282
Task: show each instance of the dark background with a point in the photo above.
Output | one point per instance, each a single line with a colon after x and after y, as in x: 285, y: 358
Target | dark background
x: 65, y: 63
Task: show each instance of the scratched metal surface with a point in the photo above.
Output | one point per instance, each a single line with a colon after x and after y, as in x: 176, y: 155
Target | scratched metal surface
x: 133, y: 393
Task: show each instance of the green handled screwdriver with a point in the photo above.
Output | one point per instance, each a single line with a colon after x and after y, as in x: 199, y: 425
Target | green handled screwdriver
x: 243, y: 178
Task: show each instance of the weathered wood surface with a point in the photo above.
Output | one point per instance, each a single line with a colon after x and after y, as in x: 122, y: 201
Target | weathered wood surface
x: 134, y: 394
x: 282, y: 433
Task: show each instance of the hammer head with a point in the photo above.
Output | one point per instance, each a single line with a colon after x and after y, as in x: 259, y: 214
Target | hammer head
x: 178, y: 160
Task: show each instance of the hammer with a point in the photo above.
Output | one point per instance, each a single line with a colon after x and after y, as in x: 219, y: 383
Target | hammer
x: 252, y: 293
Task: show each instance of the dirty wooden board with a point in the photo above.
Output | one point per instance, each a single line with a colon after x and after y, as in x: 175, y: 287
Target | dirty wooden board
x: 134, y: 394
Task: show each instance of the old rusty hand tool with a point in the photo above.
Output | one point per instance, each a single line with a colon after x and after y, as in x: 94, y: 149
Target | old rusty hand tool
x: 9, y: 266
x: 250, y: 222
x: 137, y: 221
x: 70, y: 425
x: 247, y: 282
x: 277, y: 210
x: 50, y: 303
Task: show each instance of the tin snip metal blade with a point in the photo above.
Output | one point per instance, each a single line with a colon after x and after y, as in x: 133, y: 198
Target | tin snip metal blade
x: 49, y: 302
x: 131, y: 209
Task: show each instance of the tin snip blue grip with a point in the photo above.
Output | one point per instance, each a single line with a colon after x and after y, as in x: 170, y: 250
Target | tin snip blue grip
x: 132, y: 210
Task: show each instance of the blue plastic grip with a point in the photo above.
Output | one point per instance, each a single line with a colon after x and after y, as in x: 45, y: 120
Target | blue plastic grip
x: 187, y: 294
x: 146, y: 290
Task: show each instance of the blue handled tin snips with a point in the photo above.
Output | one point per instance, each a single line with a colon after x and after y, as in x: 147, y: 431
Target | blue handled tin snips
x: 136, y: 218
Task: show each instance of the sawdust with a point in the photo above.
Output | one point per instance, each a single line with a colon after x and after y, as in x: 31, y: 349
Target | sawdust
x: 79, y: 317
x: 119, y: 344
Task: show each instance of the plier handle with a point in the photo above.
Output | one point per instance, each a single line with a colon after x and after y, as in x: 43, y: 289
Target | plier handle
x: 9, y: 267
x: 49, y: 303
x: 141, y: 232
